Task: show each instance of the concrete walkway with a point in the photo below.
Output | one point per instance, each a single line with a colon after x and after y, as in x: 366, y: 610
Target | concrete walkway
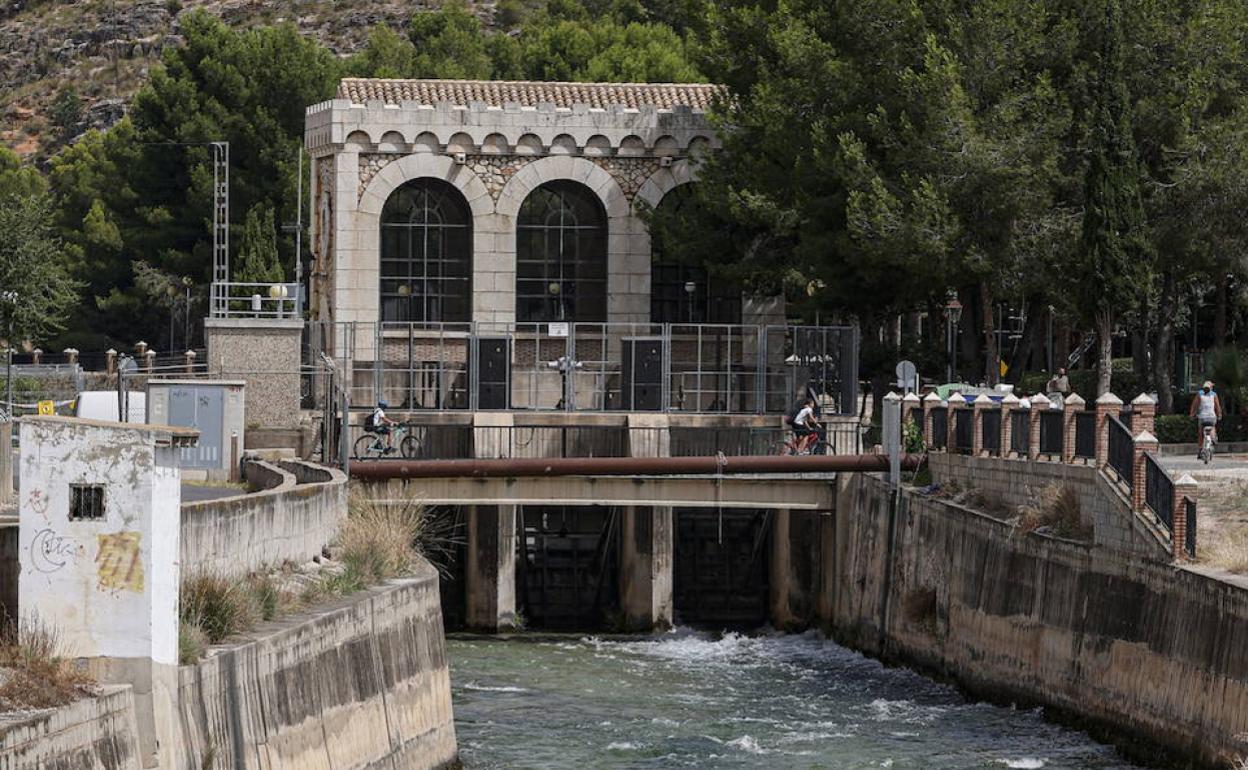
x: 1222, y: 508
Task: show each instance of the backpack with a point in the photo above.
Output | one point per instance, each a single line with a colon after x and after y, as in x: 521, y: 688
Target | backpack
x: 370, y: 422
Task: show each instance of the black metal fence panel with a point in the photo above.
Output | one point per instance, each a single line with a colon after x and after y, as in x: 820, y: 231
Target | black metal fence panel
x: 1121, y: 451
x: 940, y: 424
x: 1051, y: 430
x: 1020, y: 432
x: 1159, y: 491
x: 1085, y: 434
x: 992, y: 431
x: 963, y: 431
x: 1189, y: 511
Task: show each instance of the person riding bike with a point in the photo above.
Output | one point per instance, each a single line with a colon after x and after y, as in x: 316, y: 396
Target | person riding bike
x: 805, y: 427
x: 1207, y: 409
x: 379, y: 424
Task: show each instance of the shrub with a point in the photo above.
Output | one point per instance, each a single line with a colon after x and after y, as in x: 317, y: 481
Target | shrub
x: 218, y: 605
x: 1175, y: 429
x: 40, y: 675
x: 1056, y: 509
x: 383, y: 536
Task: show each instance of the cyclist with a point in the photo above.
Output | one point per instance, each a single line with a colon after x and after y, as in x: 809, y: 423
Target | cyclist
x: 805, y: 427
x: 379, y: 423
x: 1207, y: 409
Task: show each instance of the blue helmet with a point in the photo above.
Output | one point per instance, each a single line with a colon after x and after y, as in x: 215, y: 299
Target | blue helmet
x: 383, y: 404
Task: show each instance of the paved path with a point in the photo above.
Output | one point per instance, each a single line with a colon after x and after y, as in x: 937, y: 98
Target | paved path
x: 1221, y: 510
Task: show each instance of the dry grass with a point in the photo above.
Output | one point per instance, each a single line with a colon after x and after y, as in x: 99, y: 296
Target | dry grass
x: 1056, y: 511
x: 1228, y: 551
x: 383, y: 535
x: 35, y: 670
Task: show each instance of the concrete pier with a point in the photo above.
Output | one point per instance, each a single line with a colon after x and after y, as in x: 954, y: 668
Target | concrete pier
x: 796, y: 553
x: 646, y: 558
x: 491, y: 570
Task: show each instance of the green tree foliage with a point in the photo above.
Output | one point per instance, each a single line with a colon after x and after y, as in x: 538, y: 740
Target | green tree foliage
x: 16, y: 178
x: 257, y: 260
x: 67, y: 110
x: 33, y: 267
x: 1111, y: 268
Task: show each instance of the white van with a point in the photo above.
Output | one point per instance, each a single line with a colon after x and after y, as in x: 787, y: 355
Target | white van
x: 102, y: 405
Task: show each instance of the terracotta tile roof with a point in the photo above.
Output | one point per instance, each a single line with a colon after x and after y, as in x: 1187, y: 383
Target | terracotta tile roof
x: 499, y: 92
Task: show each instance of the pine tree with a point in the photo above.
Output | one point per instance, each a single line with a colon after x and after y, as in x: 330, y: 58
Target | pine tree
x: 257, y: 254
x: 1114, y: 270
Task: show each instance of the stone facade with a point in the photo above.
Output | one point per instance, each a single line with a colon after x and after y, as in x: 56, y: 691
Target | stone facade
x: 634, y: 146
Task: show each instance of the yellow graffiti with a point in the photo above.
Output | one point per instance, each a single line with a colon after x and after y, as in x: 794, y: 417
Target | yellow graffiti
x: 119, y: 564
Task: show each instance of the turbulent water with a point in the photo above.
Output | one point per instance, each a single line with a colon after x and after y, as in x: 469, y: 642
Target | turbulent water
x: 689, y: 699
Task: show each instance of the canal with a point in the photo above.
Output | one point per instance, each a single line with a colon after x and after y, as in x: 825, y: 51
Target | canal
x: 690, y: 699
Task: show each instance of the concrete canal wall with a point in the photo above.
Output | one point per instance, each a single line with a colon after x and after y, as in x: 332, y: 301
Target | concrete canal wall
x: 1149, y: 650
x: 362, y: 684
x: 98, y: 732
x: 298, y: 510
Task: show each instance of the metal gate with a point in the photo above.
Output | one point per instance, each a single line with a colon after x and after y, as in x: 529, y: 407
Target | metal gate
x: 201, y: 408
x: 721, y: 564
x: 568, y: 568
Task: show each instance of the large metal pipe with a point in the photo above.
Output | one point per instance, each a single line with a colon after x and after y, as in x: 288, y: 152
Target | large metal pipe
x: 622, y: 466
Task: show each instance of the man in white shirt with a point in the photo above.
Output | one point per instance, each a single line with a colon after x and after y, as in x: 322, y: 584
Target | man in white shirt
x: 804, y: 427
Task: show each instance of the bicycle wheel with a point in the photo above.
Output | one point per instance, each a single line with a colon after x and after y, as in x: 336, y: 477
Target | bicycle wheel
x: 363, y: 449
x: 410, y: 447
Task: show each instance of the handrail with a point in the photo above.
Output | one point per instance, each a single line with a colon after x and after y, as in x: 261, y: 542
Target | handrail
x: 1159, y: 491
x: 1121, y: 451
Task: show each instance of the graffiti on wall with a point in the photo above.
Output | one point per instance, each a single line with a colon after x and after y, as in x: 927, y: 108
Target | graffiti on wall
x: 50, y: 552
x: 119, y: 564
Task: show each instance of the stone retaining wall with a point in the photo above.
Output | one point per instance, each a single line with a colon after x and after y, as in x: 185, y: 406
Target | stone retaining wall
x: 1153, y: 652
x: 91, y: 733
x: 364, y: 684
x: 290, y: 521
x: 1016, y: 482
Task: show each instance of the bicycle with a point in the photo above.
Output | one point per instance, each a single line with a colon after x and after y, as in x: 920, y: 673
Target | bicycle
x: 372, y: 446
x: 798, y: 445
x: 1206, y: 448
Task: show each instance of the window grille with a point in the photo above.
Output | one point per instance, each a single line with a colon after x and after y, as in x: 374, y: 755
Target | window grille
x: 86, y: 502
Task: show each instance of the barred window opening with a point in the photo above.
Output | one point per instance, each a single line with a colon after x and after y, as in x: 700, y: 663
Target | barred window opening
x: 426, y: 254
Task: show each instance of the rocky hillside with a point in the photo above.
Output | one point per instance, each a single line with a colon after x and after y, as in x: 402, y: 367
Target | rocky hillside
x: 66, y: 66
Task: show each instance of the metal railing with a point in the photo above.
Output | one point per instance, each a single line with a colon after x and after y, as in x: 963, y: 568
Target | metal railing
x: 991, y: 427
x: 1020, y: 432
x: 460, y: 442
x: 1085, y: 435
x: 963, y: 431
x: 1189, y: 512
x: 1121, y: 451
x: 1052, y: 432
x: 599, y: 367
x: 940, y: 428
x: 1159, y: 491
x: 234, y: 299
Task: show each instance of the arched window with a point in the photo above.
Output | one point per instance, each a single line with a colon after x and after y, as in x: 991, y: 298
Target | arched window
x: 561, y: 255
x: 682, y: 292
x: 426, y: 254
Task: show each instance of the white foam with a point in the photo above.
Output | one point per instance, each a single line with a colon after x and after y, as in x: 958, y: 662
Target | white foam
x: 488, y: 688
x: 1026, y: 763
x: 623, y: 746
x: 747, y: 744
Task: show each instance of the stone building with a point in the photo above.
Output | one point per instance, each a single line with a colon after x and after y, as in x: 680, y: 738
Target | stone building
x: 454, y: 201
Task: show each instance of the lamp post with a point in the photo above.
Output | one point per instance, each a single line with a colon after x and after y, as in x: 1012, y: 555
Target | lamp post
x: 953, y: 314
x: 690, y: 288
x: 556, y: 290
x: 9, y: 300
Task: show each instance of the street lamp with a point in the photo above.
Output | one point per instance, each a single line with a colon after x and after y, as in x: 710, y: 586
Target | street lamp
x: 690, y: 288
x: 953, y: 314
x: 556, y: 289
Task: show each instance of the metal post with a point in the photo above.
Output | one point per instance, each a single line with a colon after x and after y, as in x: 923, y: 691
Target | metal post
x: 299, y: 234
x: 891, y: 424
x: 234, y: 455
x: 344, y: 431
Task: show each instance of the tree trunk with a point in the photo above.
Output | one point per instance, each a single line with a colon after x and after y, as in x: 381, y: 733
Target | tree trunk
x: 1061, y: 342
x: 1105, y: 350
x: 1220, y: 312
x: 992, y: 369
x: 1163, y: 347
x: 968, y: 345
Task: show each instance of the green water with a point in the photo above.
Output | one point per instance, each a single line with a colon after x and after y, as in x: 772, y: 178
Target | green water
x: 689, y: 699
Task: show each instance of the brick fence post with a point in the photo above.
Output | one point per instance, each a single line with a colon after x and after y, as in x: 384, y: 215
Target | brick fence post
x: 1184, y: 489
x: 956, y: 402
x: 190, y: 361
x: 1039, y: 405
x: 1143, y: 415
x: 71, y: 356
x: 149, y: 361
x: 909, y: 403
x: 1071, y: 406
x: 1106, y: 405
x: 36, y: 356
x: 978, y: 406
x: 1008, y: 405
x: 110, y: 362
x: 931, y: 402
x: 140, y: 348
x: 1144, y: 443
